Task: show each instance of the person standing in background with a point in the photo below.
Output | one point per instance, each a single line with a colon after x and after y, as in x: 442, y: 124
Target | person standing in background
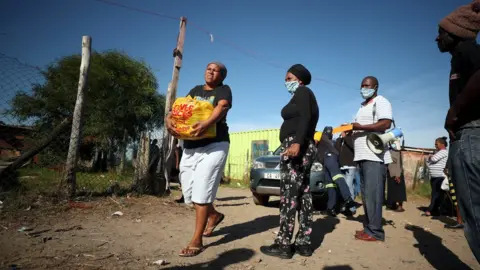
x: 344, y: 145
x: 436, y: 165
x: 457, y: 35
x: 374, y: 115
x: 300, y: 117
x: 396, y: 189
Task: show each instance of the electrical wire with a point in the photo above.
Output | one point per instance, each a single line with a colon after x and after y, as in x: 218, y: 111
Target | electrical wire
x: 240, y: 49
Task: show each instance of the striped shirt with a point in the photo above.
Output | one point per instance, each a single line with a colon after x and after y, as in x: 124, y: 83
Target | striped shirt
x: 437, y: 163
x: 366, y: 115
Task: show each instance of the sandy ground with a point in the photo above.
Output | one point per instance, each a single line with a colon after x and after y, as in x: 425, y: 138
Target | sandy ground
x: 152, y: 229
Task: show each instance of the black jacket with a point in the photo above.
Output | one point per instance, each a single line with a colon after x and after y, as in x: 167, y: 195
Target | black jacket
x: 345, y: 147
x: 324, y: 146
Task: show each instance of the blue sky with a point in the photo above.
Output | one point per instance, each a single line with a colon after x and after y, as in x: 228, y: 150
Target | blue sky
x: 341, y: 42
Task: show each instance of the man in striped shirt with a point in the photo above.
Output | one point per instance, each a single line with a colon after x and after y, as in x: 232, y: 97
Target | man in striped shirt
x: 374, y: 115
x: 436, y: 165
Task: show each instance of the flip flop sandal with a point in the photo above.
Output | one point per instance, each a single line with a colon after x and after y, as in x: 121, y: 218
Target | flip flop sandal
x: 191, y: 251
x: 211, y: 229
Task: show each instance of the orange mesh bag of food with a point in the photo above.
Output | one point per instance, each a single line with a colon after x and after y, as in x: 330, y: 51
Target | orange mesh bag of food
x: 187, y: 111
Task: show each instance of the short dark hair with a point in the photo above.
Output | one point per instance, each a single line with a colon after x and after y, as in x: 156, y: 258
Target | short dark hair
x: 374, y: 79
x: 443, y: 140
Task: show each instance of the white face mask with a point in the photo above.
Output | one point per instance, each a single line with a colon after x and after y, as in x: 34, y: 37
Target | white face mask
x: 367, y: 92
x: 292, y: 86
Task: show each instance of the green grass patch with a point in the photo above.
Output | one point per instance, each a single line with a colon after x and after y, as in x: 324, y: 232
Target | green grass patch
x: 423, y: 189
x: 235, y: 183
x: 44, y: 180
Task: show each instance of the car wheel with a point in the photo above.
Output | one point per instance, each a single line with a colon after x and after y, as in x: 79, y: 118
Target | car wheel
x: 260, y: 199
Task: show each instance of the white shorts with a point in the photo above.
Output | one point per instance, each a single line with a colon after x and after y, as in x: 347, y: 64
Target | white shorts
x: 201, y: 170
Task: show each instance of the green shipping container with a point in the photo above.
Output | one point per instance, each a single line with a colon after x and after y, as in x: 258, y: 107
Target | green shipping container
x: 245, y: 146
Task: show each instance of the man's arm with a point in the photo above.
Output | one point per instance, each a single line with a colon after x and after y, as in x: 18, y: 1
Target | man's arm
x: 384, y: 114
x: 438, y: 156
x: 381, y: 126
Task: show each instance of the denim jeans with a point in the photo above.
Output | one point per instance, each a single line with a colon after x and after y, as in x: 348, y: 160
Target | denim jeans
x: 357, y: 182
x: 437, y: 195
x: 350, y: 179
x: 464, y: 163
x: 372, y: 180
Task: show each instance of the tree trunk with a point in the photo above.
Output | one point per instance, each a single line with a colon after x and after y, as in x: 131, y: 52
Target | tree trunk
x: 141, y: 181
x: 123, y: 151
x: 75, y: 136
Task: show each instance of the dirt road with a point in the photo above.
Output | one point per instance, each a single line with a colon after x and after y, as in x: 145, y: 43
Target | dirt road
x: 152, y: 229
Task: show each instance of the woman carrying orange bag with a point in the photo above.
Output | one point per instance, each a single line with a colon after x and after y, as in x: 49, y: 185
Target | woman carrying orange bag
x: 203, y: 161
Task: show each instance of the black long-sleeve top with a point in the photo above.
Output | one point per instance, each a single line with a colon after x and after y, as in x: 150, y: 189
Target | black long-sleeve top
x: 464, y: 90
x: 300, y: 116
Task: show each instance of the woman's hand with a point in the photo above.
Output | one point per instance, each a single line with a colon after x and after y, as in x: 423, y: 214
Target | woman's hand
x: 199, y: 128
x: 170, y: 126
x: 397, y: 179
x: 292, y: 151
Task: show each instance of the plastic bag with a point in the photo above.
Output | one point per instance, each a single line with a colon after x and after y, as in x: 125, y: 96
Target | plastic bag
x: 445, y: 183
x: 186, y: 112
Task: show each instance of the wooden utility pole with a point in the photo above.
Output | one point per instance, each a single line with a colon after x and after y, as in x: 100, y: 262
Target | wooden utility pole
x: 168, y: 146
x: 75, y: 136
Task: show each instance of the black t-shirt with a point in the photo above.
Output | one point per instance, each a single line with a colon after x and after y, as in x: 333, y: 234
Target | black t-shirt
x: 300, y: 116
x: 465, y: 62
x: 222, y: 92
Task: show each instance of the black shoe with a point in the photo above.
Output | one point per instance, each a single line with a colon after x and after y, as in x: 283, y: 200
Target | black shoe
x: 331, y: 212
x: 453, y: 226
x: 304, y: 250
x: 349, y: 204
x: 349, y: 213
x: 275, y: 250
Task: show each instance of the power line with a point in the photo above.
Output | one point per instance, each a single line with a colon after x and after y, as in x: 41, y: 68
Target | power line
x: 220, y: 40
x: 237, y: 47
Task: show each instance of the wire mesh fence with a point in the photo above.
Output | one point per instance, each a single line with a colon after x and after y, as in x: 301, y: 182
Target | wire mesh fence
x: 122, y: 116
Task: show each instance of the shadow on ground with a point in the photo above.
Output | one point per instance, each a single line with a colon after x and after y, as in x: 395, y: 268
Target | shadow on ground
x: 223, y: 260
x: 242, y: 230
x: 431, y: 248
x: 321, y: 227
x: 235, y: 198
x: 338, y: 267
x: 360, y: 219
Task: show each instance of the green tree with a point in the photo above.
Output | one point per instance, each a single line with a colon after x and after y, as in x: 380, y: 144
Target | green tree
x: 121, y: 101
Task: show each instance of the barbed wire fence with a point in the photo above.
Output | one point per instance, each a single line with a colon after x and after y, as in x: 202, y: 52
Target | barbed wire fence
x: 57, y: 136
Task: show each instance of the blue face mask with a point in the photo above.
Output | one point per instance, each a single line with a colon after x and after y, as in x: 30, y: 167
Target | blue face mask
x: 292, y: 86
x: 367, y: 92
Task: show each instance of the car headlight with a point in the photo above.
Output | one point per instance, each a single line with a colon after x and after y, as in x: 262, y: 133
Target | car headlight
x: 317, y: 167
x: 258, y: 165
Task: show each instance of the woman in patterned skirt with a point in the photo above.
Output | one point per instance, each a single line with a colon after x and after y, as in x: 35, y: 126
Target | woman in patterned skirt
x: 300, y: 117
